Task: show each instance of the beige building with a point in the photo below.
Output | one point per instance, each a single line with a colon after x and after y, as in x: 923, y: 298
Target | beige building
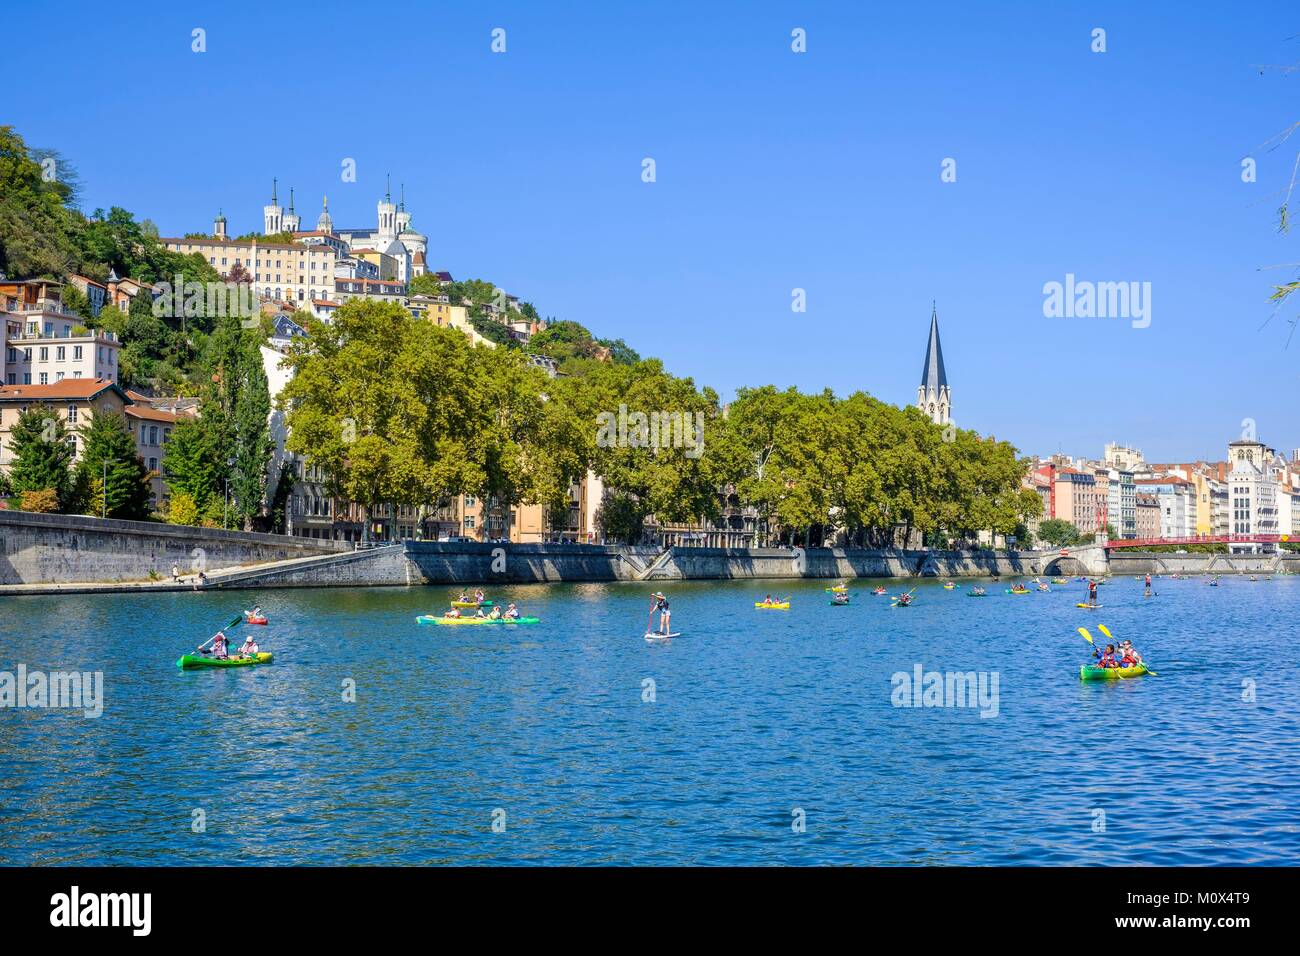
x: 286, y: 272
x: 439, y: 311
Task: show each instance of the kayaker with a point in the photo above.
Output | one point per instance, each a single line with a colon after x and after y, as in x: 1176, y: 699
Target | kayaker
x: 464, y: 597
x: 496, y: 614
x: 905, y: 599
x: 454, y: 612
x: 479, y: 612
x: 219, y: 649
x: 512, y: 612
x: 661, y: 605
x: 478, y: 595
x: 767, y: 599
x: 1129, y: 657
x: 1107, y: 658
x: 249, y: 648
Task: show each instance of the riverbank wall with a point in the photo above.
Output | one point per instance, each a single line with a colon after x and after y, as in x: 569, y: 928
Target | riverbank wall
x: 58, y: 553
x: 75, y: 549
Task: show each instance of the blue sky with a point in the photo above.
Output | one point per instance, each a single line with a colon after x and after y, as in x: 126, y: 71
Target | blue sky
x: 775, y: 170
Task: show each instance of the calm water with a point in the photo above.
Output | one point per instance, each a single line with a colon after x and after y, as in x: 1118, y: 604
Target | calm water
x: 757, y: 714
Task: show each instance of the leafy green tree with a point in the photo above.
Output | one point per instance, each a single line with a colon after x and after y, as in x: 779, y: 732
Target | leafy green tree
x: 110, y: 461
x: 388, y: 407
x: 42, y: 452
x: 35, y: 226
x: 1058, y: 532
x: 194, y: 458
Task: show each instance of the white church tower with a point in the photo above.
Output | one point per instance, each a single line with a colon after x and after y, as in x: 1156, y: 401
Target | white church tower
x: 387, y: 217
x: 291, y: 221
x: 933, y: 397
x: 273, y: 215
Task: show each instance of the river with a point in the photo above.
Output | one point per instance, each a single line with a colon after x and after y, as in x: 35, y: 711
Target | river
x: 758, y: 737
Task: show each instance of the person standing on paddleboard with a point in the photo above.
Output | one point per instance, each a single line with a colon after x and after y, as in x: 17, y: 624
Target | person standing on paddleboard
x: 661, y: 605
x: 1092, y: 591
x: 1147, y: 592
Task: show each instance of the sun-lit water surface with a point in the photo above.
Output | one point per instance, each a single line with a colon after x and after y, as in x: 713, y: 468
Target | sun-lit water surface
x: 758, y: 717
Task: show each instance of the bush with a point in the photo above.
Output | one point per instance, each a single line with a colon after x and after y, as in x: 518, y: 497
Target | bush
x: 182, y: 509
x: 43, y: 501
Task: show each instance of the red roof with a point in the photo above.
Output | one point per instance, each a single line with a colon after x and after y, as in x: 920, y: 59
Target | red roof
x: 69, y: 388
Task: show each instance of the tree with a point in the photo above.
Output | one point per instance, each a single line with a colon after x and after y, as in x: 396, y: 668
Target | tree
x: 118, y: 478
x: 1058, y: 532
x: 388, y: 407
x: 195, y: 458
x: 252, y: 436
x: 42, y: 452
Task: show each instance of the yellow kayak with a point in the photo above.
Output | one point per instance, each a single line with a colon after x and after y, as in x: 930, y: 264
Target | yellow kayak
x: 430, y: 619
x: 471, y: 603
x: 774, y: 607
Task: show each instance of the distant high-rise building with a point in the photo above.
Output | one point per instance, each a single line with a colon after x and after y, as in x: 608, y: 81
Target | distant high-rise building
x: 933, y: 396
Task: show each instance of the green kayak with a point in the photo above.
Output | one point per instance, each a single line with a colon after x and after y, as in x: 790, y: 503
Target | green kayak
x: 191, y: 661
x: 1088, y: 672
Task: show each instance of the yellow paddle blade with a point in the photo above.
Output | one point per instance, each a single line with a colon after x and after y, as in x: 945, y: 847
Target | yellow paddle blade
x: 1105, y: 630
x: 1086, y: 636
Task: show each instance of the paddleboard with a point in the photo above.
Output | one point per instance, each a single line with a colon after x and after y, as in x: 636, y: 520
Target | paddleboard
x: 662, y: 637
x: 1090, y: 607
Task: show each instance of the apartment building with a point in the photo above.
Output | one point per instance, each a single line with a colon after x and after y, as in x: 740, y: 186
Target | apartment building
x: 1253, y: 484
x: 43, y: 343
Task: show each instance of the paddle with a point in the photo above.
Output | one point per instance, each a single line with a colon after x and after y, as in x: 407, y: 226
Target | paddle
x: 1088, y: 637
x: 1110, y: 637
x: 229, y: 627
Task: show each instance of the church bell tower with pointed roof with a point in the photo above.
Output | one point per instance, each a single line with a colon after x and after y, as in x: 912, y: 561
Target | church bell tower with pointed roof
x: 933, y: 396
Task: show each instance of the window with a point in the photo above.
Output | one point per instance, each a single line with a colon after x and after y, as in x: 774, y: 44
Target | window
x: 45, y: 378
x: 45, y: 353
x: 72, y: 414
x: 76, y: 353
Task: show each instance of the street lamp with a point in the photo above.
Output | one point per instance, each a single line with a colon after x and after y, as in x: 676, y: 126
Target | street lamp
x: 225, y: 511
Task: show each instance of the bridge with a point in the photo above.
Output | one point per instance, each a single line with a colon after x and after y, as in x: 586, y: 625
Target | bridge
x: 1117, y: 543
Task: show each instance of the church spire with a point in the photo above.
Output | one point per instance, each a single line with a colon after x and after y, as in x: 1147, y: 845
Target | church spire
x: 274, y: 184
x: 933, y: 395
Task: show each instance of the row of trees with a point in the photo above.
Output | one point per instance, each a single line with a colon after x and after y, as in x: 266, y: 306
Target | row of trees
x: 403, y: 412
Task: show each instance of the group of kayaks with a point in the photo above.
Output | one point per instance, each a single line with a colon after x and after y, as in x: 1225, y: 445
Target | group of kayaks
x: 478, y: 603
